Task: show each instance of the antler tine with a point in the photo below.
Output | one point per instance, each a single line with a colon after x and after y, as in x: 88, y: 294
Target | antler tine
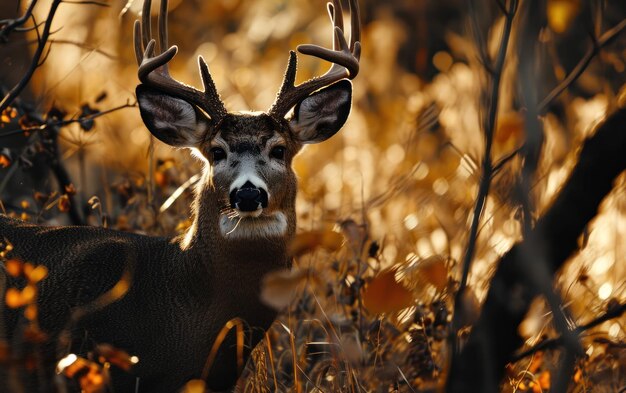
x: 163, y: 26
x: 153, y: 69
x: 138, y: 45
x: 343, y: 56
x: 146, y: 27
x: 355, y: 27
x: 335, y: 11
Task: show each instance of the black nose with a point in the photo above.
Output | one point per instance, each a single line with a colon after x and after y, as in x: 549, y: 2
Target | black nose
x: 248, y: 198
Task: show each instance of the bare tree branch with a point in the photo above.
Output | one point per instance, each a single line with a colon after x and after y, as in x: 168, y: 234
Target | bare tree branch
x: 17, y: 89
x: 63, y: 123
x: 494, y: 338
x: 487, y: 166
x: 594, y: 49
x: 9, y: 25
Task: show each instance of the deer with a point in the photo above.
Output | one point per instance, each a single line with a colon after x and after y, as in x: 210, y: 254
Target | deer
x: 185, y: 289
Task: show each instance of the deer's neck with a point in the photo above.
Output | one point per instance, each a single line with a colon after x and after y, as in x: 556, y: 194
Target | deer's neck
x: 225, y: 257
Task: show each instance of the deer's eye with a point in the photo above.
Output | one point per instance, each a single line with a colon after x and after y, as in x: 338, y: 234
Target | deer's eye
x: 278, y: 152
x: 218, y: 154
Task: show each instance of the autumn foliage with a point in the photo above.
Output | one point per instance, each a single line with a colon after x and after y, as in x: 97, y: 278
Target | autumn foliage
x: 385, y: 208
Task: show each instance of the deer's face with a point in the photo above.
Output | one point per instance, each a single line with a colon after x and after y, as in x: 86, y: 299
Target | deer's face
x: 249, y: 155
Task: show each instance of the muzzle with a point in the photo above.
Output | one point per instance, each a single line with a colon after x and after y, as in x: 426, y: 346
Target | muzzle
x: 248, y: 198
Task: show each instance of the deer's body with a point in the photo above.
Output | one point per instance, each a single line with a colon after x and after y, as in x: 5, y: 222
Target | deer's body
x: 184, y: 291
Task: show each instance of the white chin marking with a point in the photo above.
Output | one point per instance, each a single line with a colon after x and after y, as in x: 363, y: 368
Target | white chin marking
x: 253, y: 214
x: 251, y: 225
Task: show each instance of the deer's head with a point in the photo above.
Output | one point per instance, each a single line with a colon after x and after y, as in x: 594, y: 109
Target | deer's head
x: 249, y: 155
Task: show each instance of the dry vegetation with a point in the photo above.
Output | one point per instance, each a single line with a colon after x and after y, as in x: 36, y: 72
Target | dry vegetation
x: 384, y: 209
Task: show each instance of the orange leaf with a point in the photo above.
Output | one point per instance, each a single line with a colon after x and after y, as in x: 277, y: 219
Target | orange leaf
x: 307, y: 242
x: 13, y: 267
x: 5, y: 161
x: 64, y: 203
x: 544, y: 380
x: 13, y: 298
x: 434, y: 271
x: 29, y: 293
x: 385, y: 295
x: 578, y: 376
x: 331, y: 241
x: 278, y: 288
x: 194, y: 386
x: 161, y: 179
x: 37, y: 274
x: 510, y: 125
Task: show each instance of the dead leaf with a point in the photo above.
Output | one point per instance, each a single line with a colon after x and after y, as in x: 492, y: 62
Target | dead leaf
x: 307, y: 242
x: 13, y: 298
x: 279, y: 288
x: 116, y: 356
x: 13, y: 267
x: 37, y: 274
x: 510, y: 126
x: 64, y: 203
x: 88, y: 374
x: 194, y: 386
x: 544, y: 381
x: 386, y: 295
x: 432, y: 270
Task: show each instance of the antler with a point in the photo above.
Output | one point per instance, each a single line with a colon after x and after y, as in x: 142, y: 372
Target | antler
x: 153, y: 69
x: 345, y: 59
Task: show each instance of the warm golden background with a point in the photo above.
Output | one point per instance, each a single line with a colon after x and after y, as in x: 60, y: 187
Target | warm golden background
x: 402, y: 173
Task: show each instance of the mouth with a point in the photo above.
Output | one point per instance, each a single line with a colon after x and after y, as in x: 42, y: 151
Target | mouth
x: 254, y: 224
x: 248, y: 214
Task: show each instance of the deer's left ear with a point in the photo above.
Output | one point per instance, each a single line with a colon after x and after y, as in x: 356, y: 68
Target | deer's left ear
x: 172, y: 120
x: 323, y: 113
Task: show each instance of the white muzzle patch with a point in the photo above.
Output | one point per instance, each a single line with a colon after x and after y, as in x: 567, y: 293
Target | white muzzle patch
x: 253, y: 227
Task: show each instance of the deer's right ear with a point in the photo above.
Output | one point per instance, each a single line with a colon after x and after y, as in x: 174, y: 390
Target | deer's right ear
x: 171, y: 120
x: 323, y: 113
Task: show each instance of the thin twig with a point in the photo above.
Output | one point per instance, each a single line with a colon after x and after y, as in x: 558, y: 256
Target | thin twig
x: 98, y: 3
x: 13, y: 24
x: 485, y: 181
x: 62, y: 123
x: 593, y: 50
x: 506, y: 159
x: 17, y: 89
x: 614, y: 312
x: 82, y: 45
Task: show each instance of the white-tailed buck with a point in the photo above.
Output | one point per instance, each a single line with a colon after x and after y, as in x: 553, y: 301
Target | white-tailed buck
x: 186, y: 289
